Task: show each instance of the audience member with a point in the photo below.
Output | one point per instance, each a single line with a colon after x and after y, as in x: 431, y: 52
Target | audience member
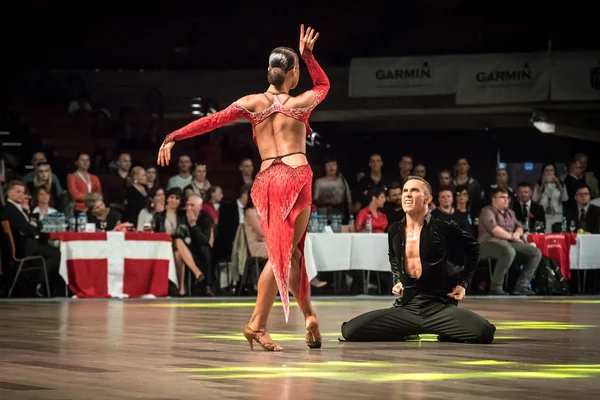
x: 373, y: 213
x: 155, y: 202
x: 530, y: 214
x: 81, y: 182
x: 551, y: 193
x: 105, y: 218
x: 500, y: 235
x: 28, y: 238
x: 135, y: 200
x: 586, y: 216
x: 202, y: 238
x: 184, y: 178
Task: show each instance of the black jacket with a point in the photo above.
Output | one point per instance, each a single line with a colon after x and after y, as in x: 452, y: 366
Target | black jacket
x: 536, y: 214
x: 182, y: 231
x: 438, y: 276
x: 592, y: 218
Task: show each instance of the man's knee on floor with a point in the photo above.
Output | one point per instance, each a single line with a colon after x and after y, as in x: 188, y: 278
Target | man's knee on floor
x: 486, y: 334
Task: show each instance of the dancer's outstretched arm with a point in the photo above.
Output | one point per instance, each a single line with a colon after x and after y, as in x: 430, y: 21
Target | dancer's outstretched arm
x: 198, y: 127
x: 318, y: 76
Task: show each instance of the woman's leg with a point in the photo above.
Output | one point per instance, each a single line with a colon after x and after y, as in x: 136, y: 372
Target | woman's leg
x: 299, y: 229
x: 186, y: 256
x: 180, y: 268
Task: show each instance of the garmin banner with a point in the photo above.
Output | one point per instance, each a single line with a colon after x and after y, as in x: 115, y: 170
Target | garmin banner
x: 407, y: 76
x: 575, y: 76
x: 503, y: 78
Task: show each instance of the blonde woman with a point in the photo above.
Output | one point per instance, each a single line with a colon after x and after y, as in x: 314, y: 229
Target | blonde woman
x: 42, y: 177
x: 137, y: 193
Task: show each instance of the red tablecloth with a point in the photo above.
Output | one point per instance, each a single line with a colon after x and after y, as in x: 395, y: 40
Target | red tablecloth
x: 556, y: 246
x: 116, y: 264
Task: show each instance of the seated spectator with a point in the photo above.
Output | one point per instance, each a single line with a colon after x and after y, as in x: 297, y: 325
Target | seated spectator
x: 105, y: 218
x: 500, y: 235
x: 247, y: 173
x: 40, y: 157
x: 184, y: 178
x: 393, y: 204
x: 530, y: 214
x: 550, y: 193
x: 173, y: 221
x: 135, y: 199
x: 202, y: 238
x: 503, y: 182
x: 461, y: 205
x: 213, y: 203
x: 42, y: 203
x: 29, y: 241
x: 81, y: 182
x: 331, y: 193
x: 116, y: 183
x: 585, y: 216
x: 152, y: 178
x: 43, y: 177
x: 463, y: 177
x: 379, y: 221
x: 155, y: 202
x: 588, y: 176
x: 199, y: 185
x: 446, y: 212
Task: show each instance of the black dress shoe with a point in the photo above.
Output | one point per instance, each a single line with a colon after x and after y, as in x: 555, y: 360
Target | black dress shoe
x: 523, y: 292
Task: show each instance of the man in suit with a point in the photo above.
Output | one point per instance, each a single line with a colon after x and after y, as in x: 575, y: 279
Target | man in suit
x: 528, y: 212
x: 585, y: 215
x: 29, y: 241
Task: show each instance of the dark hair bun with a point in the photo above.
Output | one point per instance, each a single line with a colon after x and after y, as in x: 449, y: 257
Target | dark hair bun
x: 276, y: 76
x: 281, y: 61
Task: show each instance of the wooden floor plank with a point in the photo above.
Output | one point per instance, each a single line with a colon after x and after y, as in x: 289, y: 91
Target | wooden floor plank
x: 190, y: 349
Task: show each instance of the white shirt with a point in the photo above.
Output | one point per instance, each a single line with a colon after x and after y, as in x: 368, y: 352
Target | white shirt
x: 240, y: 211
x: 178, y: 181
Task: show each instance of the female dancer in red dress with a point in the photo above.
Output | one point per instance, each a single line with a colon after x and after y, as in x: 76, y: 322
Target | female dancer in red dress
x: 282, y: 191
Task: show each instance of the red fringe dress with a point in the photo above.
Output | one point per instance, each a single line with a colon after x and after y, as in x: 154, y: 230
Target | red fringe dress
x: 280, y: 192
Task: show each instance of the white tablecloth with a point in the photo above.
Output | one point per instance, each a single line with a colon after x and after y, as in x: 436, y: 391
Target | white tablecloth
x: 586, y: 253
x: 346, y: 251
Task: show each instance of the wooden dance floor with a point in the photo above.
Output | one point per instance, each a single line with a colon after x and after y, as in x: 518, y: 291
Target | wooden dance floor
x: 545, y: 348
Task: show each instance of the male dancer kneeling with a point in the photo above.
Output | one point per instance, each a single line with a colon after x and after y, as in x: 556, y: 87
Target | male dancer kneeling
x: 430, y: 288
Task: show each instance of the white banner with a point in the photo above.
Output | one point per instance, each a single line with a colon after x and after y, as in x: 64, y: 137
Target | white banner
x: 407, y: 76
x: 575, y: 76
x: 503, y: 78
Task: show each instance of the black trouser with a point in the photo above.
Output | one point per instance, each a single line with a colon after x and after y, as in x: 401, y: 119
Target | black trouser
x: 52, y: 256
x: 420, y: 315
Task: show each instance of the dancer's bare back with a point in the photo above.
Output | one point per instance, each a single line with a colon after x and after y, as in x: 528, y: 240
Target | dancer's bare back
x: 279, y: 134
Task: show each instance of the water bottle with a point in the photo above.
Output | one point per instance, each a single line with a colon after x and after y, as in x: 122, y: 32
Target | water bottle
x: 563, y: 227
x: 351, y: 223
x: 312, y: 225
x: 72, y: 224
x: 369, y: 224
x: 81, y: 222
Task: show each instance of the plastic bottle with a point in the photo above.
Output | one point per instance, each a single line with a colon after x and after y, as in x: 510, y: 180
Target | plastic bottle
x: 369, y: 224
x: 351, y: 223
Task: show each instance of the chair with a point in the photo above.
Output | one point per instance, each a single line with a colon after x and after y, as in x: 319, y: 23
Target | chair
x: 22, y: 261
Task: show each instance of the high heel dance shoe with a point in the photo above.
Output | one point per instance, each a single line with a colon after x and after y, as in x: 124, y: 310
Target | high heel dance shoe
x: 252, y: 336
x: 313, y: 335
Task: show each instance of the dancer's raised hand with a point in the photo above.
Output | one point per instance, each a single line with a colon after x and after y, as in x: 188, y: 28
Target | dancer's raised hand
x: 164, y: 153
x: 308, y: 39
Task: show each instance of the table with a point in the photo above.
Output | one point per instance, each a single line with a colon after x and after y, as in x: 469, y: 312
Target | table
x: 116, y: 264
x: 326, y: 252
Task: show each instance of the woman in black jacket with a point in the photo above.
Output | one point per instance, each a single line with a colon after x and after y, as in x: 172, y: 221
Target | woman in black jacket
x: 174, y: 222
